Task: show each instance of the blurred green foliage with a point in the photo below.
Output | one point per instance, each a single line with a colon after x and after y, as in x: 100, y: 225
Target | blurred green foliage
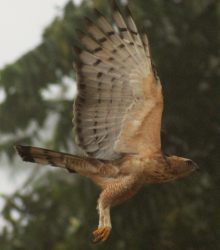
x: 58, y: 210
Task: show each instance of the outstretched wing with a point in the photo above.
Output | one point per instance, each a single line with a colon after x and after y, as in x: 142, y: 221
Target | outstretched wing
x: 119, y: 103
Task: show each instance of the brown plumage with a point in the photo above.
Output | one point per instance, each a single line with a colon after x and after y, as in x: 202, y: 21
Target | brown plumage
x: 117, y: 117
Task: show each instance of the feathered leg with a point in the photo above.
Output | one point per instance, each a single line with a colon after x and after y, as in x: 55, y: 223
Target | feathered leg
x: 118, y: 191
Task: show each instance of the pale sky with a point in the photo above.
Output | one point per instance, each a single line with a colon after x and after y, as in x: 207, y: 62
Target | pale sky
x: 22, y: 23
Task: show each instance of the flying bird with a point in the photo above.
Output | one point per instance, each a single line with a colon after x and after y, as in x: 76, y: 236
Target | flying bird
x: 117, y: 117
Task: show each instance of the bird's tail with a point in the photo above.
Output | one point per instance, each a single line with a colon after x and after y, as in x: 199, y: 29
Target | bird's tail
x: 50, y: 157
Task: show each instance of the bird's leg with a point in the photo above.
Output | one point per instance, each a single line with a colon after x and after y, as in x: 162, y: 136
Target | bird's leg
x: 116, y: 192
x: 104, y: 228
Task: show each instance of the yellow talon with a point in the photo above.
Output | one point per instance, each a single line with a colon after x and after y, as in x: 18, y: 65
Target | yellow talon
x: 101, y: 234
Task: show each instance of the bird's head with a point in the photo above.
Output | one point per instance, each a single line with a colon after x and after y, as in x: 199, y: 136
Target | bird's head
x: 180, y: 166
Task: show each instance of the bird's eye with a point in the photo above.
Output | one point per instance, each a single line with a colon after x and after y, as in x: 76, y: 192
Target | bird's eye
x: 189, y: 162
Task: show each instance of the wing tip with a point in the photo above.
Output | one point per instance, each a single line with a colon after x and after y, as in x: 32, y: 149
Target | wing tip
x: 114, y: 5
x: 97, y: 13
x: 127, y: 10
x: 88, y: 21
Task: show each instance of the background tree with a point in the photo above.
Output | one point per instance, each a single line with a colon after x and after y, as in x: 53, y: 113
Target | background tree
x: 56, y: 209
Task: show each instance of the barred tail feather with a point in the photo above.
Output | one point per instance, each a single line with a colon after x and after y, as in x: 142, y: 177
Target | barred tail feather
x: 48, y: 157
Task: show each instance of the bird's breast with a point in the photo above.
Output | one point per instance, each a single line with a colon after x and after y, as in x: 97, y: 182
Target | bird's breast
x: 156, y: 171
x: 151, y: 170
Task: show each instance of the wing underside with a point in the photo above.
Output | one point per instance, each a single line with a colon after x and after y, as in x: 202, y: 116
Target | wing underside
x: 117, y: 89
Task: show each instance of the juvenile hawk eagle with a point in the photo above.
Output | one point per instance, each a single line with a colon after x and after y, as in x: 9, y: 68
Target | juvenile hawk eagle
x: 117, y: 117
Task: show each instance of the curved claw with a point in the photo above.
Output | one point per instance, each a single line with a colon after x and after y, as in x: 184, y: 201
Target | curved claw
x: 101, y: 234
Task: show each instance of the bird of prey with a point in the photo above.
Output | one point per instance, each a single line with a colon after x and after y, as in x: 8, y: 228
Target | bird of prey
x: 117, y: 117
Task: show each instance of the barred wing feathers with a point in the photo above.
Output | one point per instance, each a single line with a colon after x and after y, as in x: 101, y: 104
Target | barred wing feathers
x: 119, y: 102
